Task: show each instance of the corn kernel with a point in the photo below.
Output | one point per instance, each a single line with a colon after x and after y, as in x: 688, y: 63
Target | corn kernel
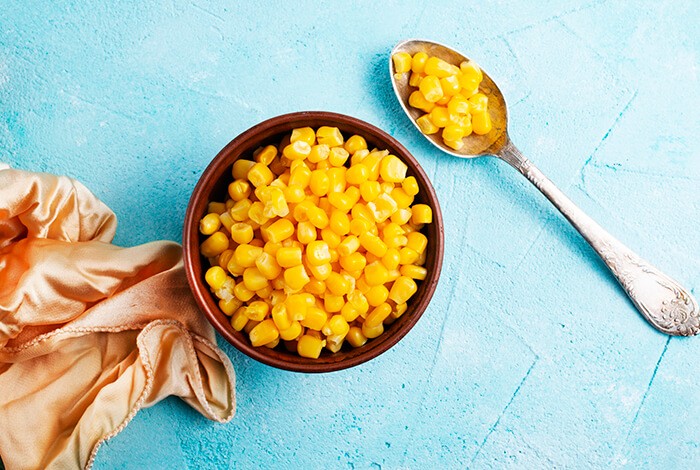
x: 256, y: 213
x: 372, y: 244
x: 391, y: 259
x: 209, y: 224
x: 421, y: 214
x: 439, y: 68
x: 403, y: 200
x: 333, y: 303
x: 306, y: 232
x: 300, y: 176
x: 298, y: 150
x: 310, y: 347
x: 353, y: 262
x: 257, y: 311
x: 239, y: 211
x: 319, y: 153
x: 481, y: 123
x: 239, y: 319
x: 293, y: 332
x: 440, y: 116
x: 408, y: 255
x: 450, y: 85
x: 417, y: 100
x: 239, y: 190
x: 414, y: 272
x: 355, y: 337
x: 339, y: 222
x: 369, y: 190
x: 304, y: 134
x: 317, y: 217
x: 392, y: 169
x: 330, y: 237
x: 315, y: 287
x: 402, y: 62
x: 330, y: 136
x: 431, y: 89
x: 315, y: 318
x: 415, y: 78
x: 454, y: 144
x: 319, y: 183
x: 382, y: 207
x: 472, y: 70
x: 337, y: 284
x: 246, y: 255
x: 242, y: 292
x: 417, y: 241
x: 264, y: 333
x: 376, y: 274
x: 377, y: 295
x: 296, y: 277
x: 288, y: 257
x: 216, y: 208
x: 402, y: 289
x: 426, y: 125
x: 280, y: 230
x: 242, y: 233
x: 372, y: 332
x: 348, y: 245
x: 410, y: 186
x: 378, y: 315
x: 338, y: 156
x: 253, y: 279
x: 240, y: 169
x: 320, y: 272
x: 336, y: 178
x: 216, y: 244
x: 260, y: 175
x: 349, y: 312
x: 215, y: 277
x: 317, y: 253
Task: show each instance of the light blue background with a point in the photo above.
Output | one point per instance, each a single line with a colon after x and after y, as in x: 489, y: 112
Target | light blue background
x: 529, y: 355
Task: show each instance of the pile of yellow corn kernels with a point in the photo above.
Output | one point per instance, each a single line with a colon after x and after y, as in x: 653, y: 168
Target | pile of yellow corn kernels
x: 449, y: 95
x: 318, y: 244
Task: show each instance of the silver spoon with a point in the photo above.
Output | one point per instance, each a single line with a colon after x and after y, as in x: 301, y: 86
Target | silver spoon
x: 665, y: 304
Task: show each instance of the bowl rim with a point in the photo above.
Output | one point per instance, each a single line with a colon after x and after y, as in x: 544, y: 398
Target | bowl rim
x: 191, y: 256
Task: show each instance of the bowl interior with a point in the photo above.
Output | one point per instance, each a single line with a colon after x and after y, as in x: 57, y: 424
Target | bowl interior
x: 212, y: 186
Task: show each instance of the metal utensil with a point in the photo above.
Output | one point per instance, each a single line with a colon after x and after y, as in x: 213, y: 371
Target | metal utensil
x: 661, y: 300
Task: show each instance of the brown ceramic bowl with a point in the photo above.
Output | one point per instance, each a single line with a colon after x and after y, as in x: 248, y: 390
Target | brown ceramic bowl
x: 213, y: 186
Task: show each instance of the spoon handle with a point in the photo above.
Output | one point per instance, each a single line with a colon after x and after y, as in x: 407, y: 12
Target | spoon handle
x: 665, y: 304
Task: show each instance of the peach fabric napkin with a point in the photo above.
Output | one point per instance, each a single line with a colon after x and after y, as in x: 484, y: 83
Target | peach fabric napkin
x: 90, y: 333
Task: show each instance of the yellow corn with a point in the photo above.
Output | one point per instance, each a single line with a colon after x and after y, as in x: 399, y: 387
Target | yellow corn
x: 242, y: 233
x: 357, y: 174
x: 239, y: 190
x: 403, y: 200
x: 355, y: 337
x: 392, y: 169
x: 310, y: 347
x: 372, y: 244
x: 288, y: 257
x: 421, y: 214
x: 239, y: 319
x: 315, y: 287
x: 330, y: 237
x: 292, y: 332
x: 369, y: 190
x: 481, y: 123
x: 376, y: 273
x: 415, y: 78
x: 280, y: 230
x: 304, y: 134
x: 264, y: 333
x: 402, y: 62
x: 382, y: 207
x: 439, y: 116
x: 317, y: 253
x: 253, y: 279
x: 330, y: 136
x: 372, y: 332
x: 391, y: 259
x: 349, y: 312
x: 319, y: 153
x: 215, y: 277
x: 358, y: 156
x: 418, y: 101
x: 239, y: 211
x: 315, y: 318
x: 408, y: 256
x: 439, y: 68
x: 256, y: 213
x: 426, y: 125
x: 246, y: 255
x: 450, y: 85
x: 378, y: 315
x: 348, y: 245
x: 306, y: 232
x: 240, y: 169
x: 260, y: 175
x: 317, y: 217
x: 216, y: 244
x: 414, y: 272
x: 319, y: 182
x: 402, y: 289
x: 296, y: 277
x: 266, y: 155
x: 298, y: 150
x: 377, y: 295
x: 338, y: 156
x: 209, y: 224
x: 216, y: 207
x: 455, y: 144
x: 417, y: 241
x: 242, y: 292
x: 431, y: 89
x: 336, y: 178
x: 333, y: 303
x: 320, y: 272
x: 337, y: 284
x: 355, y: 143
x: 257, y: 311
x: 339, y: 222
x: 353, y: 262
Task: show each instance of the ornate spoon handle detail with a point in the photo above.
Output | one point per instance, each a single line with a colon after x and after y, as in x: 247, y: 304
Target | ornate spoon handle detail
x: 661, y: 300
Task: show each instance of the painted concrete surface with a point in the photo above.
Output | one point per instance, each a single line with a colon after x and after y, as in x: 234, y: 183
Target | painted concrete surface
x: 529, y: 356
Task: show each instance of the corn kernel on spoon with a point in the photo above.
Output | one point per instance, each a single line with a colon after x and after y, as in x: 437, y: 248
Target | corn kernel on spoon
x: 662, y: 301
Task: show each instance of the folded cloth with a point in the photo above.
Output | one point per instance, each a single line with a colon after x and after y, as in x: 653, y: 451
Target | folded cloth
x: 90, y: 333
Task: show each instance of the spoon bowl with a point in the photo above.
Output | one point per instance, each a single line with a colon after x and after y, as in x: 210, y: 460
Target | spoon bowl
x: 662, y: 301
x: 475, y: 145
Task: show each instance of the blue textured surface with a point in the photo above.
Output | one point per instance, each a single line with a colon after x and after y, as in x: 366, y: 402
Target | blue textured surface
x: 529, y: 355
